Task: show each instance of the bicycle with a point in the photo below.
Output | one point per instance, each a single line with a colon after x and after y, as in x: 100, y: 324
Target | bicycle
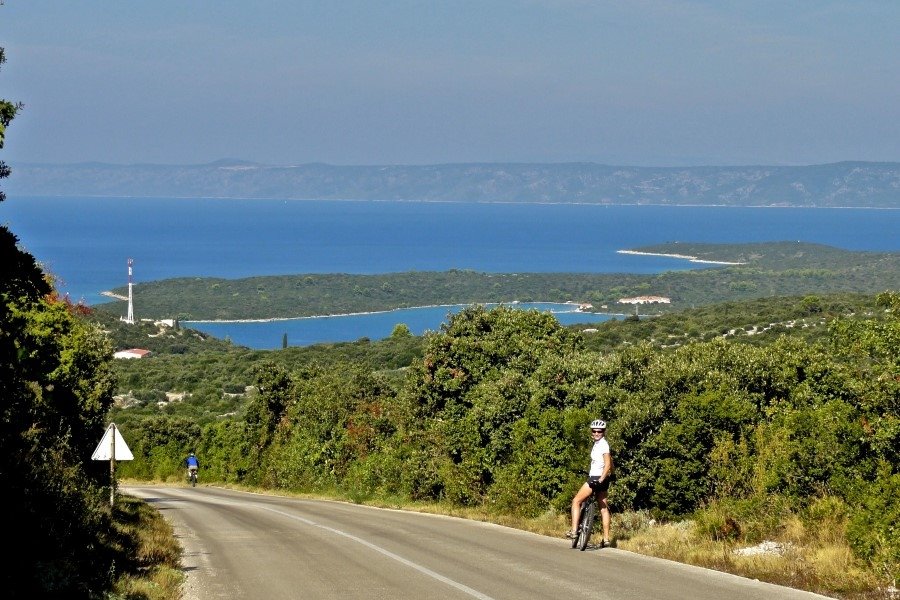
x: 585, y: 523
x: 192, y: 477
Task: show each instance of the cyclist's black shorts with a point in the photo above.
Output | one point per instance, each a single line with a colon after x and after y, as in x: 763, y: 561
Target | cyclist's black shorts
x: 597, y: 485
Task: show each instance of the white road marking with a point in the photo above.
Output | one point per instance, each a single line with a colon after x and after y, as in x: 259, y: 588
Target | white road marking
x: 404, y: 561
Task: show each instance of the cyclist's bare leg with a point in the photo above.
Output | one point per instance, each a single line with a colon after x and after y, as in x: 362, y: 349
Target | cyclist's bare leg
x: 583, y: 494
x: 604, y: 513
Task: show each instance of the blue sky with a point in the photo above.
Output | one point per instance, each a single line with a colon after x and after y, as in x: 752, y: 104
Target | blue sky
x: 635, y: 82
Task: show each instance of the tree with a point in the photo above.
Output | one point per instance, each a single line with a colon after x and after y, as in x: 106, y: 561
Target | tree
x: 56, y: 387
x: 401, y: 330
x: 8, y: 112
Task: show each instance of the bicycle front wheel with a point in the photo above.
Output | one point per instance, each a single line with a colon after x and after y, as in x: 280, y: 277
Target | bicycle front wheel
x: 589, y: 513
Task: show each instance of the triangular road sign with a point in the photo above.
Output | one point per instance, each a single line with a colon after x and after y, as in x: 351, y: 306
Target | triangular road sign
x: 104, y: 449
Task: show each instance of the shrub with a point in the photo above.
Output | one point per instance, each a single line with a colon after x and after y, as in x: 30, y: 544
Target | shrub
x: 874, y: 528
x: 628, y: 523
x: 751, y: 519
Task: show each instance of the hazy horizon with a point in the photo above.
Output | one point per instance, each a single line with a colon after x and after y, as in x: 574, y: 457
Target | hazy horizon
x: 228, y: 161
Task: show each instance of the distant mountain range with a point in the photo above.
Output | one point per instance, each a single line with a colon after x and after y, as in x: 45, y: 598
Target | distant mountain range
x: 851, y: 184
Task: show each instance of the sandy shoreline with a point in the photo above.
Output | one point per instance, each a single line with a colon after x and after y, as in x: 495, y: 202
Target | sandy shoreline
x: 109, y: 294
x: 693, y: 259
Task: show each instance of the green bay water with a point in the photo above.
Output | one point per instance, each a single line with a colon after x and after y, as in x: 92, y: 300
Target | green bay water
x: 86, y: 242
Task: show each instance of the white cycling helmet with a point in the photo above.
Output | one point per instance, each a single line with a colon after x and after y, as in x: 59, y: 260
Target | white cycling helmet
x: 598, y: 424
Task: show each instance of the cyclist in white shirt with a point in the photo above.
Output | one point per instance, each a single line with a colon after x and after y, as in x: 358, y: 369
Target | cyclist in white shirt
x: 597, y: 482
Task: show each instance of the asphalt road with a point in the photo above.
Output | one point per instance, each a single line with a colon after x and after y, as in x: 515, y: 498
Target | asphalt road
x: 242, y: 545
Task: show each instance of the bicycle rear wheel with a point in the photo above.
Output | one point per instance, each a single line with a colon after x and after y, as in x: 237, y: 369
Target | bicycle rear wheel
x: 588, y: 514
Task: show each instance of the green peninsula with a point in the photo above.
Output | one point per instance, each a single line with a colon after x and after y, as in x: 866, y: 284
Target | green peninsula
x: 748, y: 271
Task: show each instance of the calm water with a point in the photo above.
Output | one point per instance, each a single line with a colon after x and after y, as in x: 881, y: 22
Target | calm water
x: 86, y: 242
x: 375, y: 326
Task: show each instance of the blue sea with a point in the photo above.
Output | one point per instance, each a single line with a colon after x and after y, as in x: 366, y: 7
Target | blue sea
x: 374, y: 326
x: 86, y: 242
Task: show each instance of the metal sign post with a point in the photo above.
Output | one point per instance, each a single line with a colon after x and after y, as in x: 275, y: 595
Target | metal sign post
x: 112, y: 447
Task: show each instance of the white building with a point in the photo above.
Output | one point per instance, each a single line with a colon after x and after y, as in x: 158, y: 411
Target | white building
x: 132, y: 353
x: 646, y: 300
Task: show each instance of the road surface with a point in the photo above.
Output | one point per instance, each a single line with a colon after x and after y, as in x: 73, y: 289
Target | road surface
x: 243, y: 545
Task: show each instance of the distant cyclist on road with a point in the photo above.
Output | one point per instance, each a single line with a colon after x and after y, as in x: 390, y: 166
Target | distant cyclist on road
x: 597, y: 482
x: 192, y: 464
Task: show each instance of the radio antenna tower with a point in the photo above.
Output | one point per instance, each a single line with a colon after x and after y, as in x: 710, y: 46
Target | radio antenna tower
x: 130, y: 318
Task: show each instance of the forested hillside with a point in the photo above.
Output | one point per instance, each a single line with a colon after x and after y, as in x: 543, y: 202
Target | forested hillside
x: 767, y: 270
x: 198, y: 369
x: 859, y: 184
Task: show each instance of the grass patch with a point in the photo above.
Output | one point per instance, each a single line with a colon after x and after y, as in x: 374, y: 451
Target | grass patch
x: 155, y: 572
x: 808, y: 551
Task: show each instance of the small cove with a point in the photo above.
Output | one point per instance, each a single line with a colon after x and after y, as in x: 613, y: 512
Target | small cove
x: 269, y: 334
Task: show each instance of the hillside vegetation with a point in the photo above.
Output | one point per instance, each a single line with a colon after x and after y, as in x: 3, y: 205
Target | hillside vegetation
x: 769, y: 269
x: 209, y: 376
x: 859, y: 184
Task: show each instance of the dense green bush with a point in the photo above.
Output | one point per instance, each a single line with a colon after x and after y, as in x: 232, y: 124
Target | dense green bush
x: 874, y: 527
x: 56, y: 385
